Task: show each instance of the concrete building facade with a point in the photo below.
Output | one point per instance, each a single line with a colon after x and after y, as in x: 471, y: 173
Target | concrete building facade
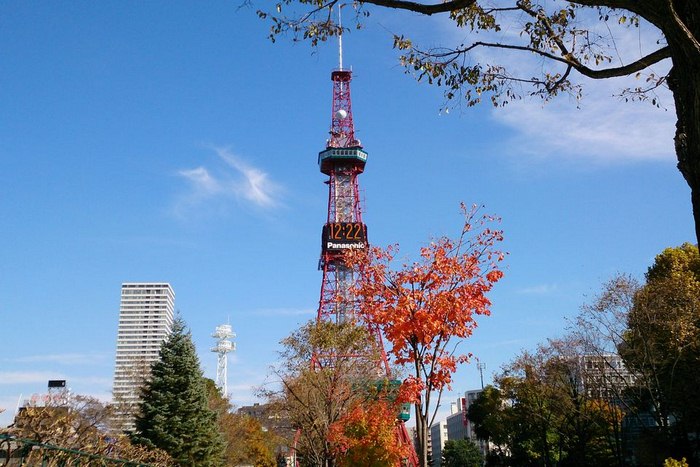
x: 146, y: 314
x: 457, y: 420
x: 438, y: 438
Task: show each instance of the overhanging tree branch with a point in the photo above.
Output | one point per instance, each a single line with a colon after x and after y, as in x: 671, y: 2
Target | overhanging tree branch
x: 424, y: 9
x: 631, y: 5
x: 641, y: 64
x: 568, y: 59
x: 448, y: 6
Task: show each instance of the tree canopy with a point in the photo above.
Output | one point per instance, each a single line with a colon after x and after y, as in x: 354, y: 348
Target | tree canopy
x: 570, y: 39
x: 425, y: 308
x: 247, y: 442
x: 620, y: 389
x: 326, y: 371
x: 548, y: 410
x: 173, y: 410
x: 461, y: 453
x: 662, y: 346
x: 78, y: 423
x: 366, y: 434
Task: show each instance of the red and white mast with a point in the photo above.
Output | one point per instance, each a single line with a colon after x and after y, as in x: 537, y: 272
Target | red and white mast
x: 343, y: 160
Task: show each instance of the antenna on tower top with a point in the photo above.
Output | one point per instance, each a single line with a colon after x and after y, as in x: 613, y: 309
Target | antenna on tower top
x: 340, y: 38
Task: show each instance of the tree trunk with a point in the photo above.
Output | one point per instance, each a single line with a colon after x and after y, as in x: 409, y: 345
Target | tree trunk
x: 684, y: 82
x: 422, y: 434
x: 686, y: 94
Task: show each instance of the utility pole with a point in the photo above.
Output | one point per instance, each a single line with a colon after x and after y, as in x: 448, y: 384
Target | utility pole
x: 481, y: 366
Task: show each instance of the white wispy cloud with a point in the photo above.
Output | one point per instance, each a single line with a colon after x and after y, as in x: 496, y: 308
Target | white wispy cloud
x: 63, y: 359
x: 102, y: 381
x: 205, y: 185
x: 601, y: 129
x: 255, y: 185
x: 28, y: 377
x: 235, y: 179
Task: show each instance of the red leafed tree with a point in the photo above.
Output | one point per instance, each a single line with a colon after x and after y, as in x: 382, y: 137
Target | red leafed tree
x: 425, y: 308
x: 366, y: 435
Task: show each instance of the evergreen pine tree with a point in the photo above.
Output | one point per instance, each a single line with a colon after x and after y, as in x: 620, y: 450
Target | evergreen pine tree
x: 174, y: 413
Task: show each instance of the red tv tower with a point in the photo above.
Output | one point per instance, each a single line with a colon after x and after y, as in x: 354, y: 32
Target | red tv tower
x: 343, y: 160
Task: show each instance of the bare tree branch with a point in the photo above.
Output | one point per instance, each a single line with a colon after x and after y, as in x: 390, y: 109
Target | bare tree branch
x: 448, y: 6
x: 631, y: 5
x: 679, y: 22
x: 568, y: 59
x: 424, y: 9
x: 641, y: 64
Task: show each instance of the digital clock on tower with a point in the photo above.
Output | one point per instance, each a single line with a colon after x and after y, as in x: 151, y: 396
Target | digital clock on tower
x: 344, y: 236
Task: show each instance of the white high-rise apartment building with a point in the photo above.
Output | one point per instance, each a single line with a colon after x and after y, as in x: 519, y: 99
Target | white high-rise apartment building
x: 145, y: 321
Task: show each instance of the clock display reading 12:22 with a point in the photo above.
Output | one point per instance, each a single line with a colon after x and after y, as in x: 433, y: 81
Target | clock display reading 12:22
x: 340, y: 235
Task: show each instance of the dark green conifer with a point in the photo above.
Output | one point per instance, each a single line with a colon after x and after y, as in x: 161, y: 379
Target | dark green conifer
x: 174, y: 413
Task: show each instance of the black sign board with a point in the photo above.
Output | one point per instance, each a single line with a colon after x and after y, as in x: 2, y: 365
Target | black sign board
x: 57, y: 383
x: 339, y: 236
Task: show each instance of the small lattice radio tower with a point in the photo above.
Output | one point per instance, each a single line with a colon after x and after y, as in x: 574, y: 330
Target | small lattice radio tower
x: 222, y: 348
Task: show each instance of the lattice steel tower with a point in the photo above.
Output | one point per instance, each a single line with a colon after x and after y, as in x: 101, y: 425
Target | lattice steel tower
x: 222, y: 348
x: 343, y: 160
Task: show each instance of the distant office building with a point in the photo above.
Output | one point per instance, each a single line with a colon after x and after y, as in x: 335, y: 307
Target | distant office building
x: 438, y: 438
x: 604, y: 377
x: 469, y: 398
x: 145, y: 321
x: 270, y: 418
x: 458, y: 424
x: 256, y: 411
x: 457, y: 420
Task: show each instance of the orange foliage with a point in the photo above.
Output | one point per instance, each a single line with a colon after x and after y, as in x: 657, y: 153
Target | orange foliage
x: 422, y: 306
x: 366, y: 436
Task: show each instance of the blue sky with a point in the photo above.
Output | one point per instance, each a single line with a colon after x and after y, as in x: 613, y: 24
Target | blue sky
x: 171, y: 141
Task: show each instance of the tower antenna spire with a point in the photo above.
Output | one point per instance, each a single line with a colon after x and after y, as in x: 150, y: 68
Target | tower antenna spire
x: 340, y: 38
